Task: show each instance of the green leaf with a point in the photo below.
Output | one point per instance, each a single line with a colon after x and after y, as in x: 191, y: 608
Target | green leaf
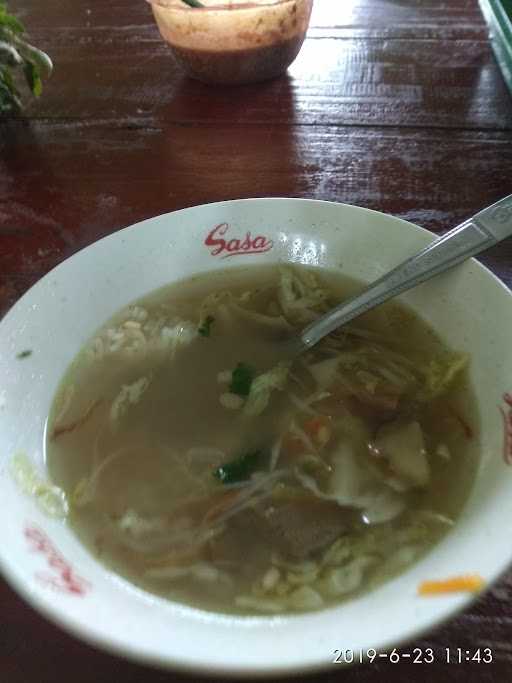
x: 10, y: 21
x: 241, y: 380
x: 16, y: 53
x: 33, y: 78
x: 9, y: 99
x: 239, y: 469
x: 9, y: 55
x: 6, y: 76
x: 204, y: 328
x: 34, y: 55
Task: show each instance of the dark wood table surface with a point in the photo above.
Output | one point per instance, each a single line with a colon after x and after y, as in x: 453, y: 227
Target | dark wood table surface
x: 396, y: 105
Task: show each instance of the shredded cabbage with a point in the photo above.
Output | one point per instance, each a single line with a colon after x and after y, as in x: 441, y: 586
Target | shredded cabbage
x: 303, y: 577
x: 400, y: 559
x: 380, y: 376
x: 305, y: 598
x: 324, y: 372
x: 389, y: 546
x: 129, y: 395
x: 263, y: 386
x: 270, y: 579
x: 212, y: 302
x: 272, y: 322
x: 50, y: 498
x: 216, y: 306
x: 231, y: 401
x: 346, y: 579
x: 440, y: 373
x: 181, y: 333
x: 300, y: 296
x: 378, y: 551
x: 302, y: 406
x: 274, y: 454
x: 302, y: 567
x: 259, y: 604
x: 202, y: 571
x: 376, y: 369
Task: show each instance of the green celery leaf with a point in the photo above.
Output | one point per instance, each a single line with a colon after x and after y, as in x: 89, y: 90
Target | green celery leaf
x: 239, y: 469
x: 205, y: 327
x: 241, y: 380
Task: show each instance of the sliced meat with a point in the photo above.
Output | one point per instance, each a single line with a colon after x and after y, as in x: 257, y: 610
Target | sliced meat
x: 304, y: 528
x: 243, y: 544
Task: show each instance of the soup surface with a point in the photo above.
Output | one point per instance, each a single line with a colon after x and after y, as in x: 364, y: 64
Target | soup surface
x: 203, y: 465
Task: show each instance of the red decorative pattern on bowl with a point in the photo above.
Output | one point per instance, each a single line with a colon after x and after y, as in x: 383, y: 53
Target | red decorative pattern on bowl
x: 64, y: 577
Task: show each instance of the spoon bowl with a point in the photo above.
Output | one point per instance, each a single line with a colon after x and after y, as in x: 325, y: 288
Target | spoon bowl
x: 482, y: 231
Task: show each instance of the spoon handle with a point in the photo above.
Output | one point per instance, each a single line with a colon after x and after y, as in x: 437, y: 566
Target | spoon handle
x: 483, y: 230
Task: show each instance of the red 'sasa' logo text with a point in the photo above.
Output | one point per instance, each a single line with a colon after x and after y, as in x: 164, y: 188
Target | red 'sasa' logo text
x: 224, y: 246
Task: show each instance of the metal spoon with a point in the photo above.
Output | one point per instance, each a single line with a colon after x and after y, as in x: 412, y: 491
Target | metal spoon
x: 483, y: 230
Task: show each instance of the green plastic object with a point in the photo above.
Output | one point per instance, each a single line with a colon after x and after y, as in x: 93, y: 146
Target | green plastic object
x: 498, y: 14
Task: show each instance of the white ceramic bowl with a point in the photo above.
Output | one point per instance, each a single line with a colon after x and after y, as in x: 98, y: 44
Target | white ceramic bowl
x: 45, y: 563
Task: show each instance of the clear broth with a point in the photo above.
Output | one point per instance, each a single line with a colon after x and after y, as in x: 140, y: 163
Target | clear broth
x: 166, y: 443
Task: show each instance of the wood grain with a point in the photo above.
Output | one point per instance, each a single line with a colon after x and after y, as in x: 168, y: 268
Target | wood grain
x: 334, y: 81
x: 367, y: 63
x: 397, y: 105
x: 82, y: 181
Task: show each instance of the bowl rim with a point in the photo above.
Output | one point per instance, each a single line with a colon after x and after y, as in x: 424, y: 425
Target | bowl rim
x: 223, y: 6
x: 203, y: 669
x: 60, y: 617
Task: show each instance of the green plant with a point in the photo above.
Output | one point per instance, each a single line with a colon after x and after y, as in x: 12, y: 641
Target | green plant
x: 16, y: 54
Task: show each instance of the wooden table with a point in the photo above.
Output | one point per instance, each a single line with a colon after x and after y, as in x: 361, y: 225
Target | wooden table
x: 396, y: 105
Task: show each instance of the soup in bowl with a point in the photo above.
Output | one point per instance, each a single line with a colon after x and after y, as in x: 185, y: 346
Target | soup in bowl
x: 165, y: 460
